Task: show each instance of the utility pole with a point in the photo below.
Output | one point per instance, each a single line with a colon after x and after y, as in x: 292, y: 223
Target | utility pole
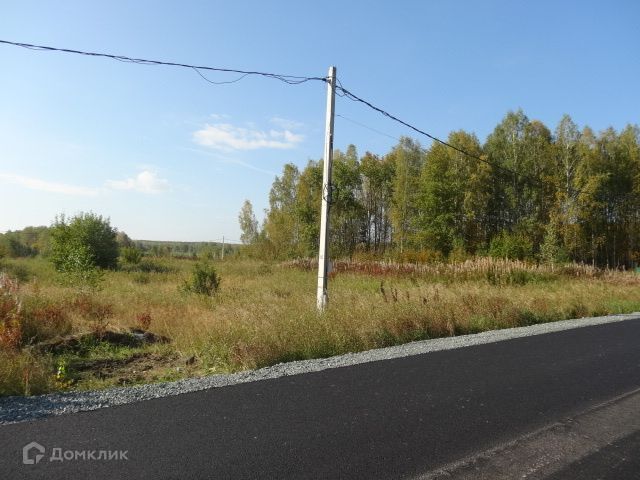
x: 222, y: 256
x: 323, y: 257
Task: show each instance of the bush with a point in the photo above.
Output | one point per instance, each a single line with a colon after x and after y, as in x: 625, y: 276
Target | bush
x: 23, y: 373
x: 511, y: 245
x: 43, y: 319
x: 16, y: 270
x: 84, y: 242
x: 130, y: 255
x: 10, y: 313
x: 79, y: 269
x: 425, y: 255
x: 204, y: 280
x: 147, y: 266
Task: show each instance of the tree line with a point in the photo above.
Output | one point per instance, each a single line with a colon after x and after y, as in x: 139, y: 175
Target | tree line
x: 38, y: 241
x: 529, y: 193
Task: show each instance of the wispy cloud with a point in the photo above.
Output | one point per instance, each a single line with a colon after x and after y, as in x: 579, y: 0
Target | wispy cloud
x: 46, y: 186
x: 145, y: 182
x: 233, y: 161
x: 286, y: 123
x: 227, y: 137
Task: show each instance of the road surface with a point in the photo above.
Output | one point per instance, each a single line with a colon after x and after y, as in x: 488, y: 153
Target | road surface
x: 403, y: 418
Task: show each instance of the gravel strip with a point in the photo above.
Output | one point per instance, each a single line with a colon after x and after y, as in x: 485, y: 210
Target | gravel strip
x: 20, y: 409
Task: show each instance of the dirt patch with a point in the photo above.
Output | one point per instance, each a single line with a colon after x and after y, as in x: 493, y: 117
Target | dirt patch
x: 139, y: 367
x: 134, y: 338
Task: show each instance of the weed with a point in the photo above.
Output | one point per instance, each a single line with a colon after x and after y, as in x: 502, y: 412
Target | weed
x: 44, y: 319
x: 10, y: 313
x: 16, y: 270
x: 23, y: 373
x: 141, y: 278
x: 266, y: 312
x: 204, y: 280
x: 143, y: 320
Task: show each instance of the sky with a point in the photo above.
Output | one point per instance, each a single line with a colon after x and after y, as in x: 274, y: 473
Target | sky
x: 167, y: 155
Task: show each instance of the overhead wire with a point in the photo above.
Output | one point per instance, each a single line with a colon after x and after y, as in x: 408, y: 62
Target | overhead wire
x: 219, y: 83
x: 288, y: 79
x: 343, y: 92
x: 340, y: 90
x: 367, y: 127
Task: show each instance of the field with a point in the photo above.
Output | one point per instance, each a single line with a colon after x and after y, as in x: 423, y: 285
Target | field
x: 56, y: 336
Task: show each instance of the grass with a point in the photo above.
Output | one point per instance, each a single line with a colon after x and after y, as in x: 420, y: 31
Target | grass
x: 265, y: 313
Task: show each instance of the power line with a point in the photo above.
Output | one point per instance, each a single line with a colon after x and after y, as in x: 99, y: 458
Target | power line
x: 423, y: 150
x: 288, y: 79
x: 343, y: 92
x: 367, y: 127
x: 219, y: 83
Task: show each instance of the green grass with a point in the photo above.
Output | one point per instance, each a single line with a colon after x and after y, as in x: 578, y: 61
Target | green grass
x: 264, y: 313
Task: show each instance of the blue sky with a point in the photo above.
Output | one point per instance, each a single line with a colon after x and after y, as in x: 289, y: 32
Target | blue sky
x: 168, y: 156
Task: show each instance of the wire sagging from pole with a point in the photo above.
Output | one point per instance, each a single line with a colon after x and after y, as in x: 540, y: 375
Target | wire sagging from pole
x: 288, y: 79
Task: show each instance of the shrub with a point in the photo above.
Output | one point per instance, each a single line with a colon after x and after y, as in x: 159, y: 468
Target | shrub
x: 131, y: 255
x: 84, y: 242
x: 79, y: 269
x: 44, y: 319
x: 10, y: 314
x: 143, y: 320
x: 552, y: 251
x: 511, y: 245
x: 92, y: 309
x: 204, y: 280
x: 425, y: 255
x: 22, y: 373
x: 148, y: 266
x: 16, y: 270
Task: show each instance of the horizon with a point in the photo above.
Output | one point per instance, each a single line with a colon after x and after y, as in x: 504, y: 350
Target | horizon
x: 168, y: 156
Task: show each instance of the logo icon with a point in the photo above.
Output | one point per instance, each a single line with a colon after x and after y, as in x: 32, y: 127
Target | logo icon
x: 26, y: 453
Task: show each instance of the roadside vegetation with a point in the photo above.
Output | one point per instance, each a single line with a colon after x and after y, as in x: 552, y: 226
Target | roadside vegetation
x: 543, y: 227
x: 56, y: 336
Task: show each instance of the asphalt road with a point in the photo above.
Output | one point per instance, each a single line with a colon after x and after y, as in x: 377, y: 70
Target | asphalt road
x: 397, y: 418
x: 620, y: 460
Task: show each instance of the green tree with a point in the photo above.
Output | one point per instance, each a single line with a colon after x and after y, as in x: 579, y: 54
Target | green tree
x: 552, y: 250
x: 377, y: 194
x: 248, y: 224
x: 204, y: 280
x: 86, y: 240
x: 123, y: 240
x: 307, y: 208
x: 521, y: 197
x: 408, y: 159
x: 281, y: 226
x: 346, y: 210
x: 131, y: 255
x: 454, y: 194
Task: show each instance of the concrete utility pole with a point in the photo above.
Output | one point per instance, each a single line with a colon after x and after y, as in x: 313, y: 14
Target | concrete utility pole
x: 222, y: 256
x: 323, y: 257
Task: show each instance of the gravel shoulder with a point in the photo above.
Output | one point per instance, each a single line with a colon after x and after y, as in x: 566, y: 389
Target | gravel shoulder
x: 19, y: 409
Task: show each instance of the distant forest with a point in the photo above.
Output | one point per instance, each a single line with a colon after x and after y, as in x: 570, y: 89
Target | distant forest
x: 33, y: 241
x: 567, y: 195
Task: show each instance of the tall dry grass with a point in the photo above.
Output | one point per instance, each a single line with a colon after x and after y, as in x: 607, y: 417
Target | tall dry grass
x: 265, y: 313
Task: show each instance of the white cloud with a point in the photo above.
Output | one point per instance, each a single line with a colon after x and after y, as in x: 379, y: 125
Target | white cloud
x: 286, y: 123
x: 145, y: 182
x: 224, y: 136
x: 45, y: 186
